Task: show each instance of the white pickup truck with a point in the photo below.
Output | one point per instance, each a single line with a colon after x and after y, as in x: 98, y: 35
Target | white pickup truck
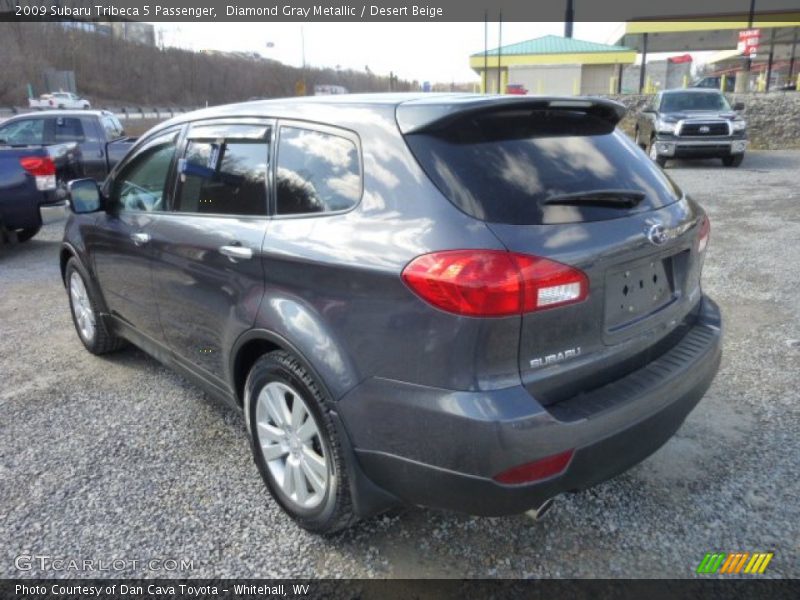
x: 59, y: 100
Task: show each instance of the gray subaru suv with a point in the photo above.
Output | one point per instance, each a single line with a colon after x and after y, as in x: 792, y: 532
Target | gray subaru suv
x: 466, y: 302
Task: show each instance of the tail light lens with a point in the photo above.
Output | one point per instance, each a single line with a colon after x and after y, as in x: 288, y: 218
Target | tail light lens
x: 536, y: 470
x: 493, y: 283
x: 705, y: 232
x: 43, y: 169
x: 38, y: 165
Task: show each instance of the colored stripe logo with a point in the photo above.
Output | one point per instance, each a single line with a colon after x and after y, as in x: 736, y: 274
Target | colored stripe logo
x: 737, y: 562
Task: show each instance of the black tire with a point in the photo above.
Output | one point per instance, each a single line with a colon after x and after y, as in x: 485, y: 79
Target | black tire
x: 733, y: 161
x: 23, y: 235
x: 335, y: 511
x: 103, y: 340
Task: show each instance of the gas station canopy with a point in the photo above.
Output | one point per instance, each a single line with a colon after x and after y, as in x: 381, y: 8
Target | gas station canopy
x: 698, y: 35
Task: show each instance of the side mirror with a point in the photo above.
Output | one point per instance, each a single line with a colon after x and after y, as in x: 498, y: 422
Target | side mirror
x: 738, y: 106
x: 84, y: 196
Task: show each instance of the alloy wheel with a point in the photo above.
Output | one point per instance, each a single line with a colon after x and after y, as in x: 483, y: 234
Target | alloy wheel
x: 82, y: 307
x: 291, y: 445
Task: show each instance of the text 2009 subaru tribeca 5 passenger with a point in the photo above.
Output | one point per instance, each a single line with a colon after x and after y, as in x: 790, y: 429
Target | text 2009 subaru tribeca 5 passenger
x: 466, y: 302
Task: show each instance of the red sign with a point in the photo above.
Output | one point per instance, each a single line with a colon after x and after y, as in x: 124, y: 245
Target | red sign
x: 748, y: 41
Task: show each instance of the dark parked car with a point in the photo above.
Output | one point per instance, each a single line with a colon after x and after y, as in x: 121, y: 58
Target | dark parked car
x: 714, y: 82
x: 40, y: 152
x: 692, y: 123
x: 467, y: 302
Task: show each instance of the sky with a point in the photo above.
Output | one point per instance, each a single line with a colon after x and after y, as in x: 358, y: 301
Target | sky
x: 436, y: 52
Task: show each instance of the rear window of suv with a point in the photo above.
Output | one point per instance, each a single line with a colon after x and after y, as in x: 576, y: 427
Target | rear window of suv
x: 504, y: 167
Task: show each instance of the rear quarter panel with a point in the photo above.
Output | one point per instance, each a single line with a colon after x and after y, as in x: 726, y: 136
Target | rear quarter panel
x: 334, y: 287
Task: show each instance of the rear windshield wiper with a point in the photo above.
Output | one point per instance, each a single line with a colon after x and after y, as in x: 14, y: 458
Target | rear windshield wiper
x: 609, y: 198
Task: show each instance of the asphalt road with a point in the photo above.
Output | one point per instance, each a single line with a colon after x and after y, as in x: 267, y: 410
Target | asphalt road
x: 119, y: 458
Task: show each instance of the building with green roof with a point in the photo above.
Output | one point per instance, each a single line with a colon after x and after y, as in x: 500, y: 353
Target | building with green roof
x: 553, y: 65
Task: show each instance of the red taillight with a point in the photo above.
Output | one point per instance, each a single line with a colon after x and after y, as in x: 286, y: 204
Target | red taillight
x: 705, y: 232
x: 38, y: 165
x: 536, y: 470
x: 493, y: 283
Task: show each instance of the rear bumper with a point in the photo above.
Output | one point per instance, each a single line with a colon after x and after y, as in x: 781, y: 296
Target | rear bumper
x: 441, y: 448
x: 19, y: 209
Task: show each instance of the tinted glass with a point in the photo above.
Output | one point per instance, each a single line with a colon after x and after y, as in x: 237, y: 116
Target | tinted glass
x: 693, y: 101
x: 30, y: 131
x: 68, y: 129
x: 317, y: 172
x: 506, y: 166
x: 142, y: 182
x: 226, y: 178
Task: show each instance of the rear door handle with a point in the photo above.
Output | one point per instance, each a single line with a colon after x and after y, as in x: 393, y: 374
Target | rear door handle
x: 140, y: 238
x: 235, y: 253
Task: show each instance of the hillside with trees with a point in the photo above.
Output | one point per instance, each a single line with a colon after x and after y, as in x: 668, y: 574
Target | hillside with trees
x: 113, y: 71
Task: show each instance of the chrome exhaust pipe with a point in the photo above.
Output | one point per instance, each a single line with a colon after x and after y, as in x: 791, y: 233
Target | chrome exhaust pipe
x: 538, y: 513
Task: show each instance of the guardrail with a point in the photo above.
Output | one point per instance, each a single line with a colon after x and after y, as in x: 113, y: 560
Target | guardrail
x: 123, y: 113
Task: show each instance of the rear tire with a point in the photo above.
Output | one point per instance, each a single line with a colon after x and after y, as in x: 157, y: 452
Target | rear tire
x: 733, y: 161
x: 23, y: 235
x: 90, y: 324
x: 296, y: 446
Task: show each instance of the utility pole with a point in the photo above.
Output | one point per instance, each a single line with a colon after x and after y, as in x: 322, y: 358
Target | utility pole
x: 743, y: 81
x: 569, y: 18
x: 485, y: 85
x: 499, y: 52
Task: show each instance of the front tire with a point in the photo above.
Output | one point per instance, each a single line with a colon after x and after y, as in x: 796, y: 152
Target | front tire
x: 296, y: 445
x: 654, y: 156
x: 89, y: 322
x: 733, y: 161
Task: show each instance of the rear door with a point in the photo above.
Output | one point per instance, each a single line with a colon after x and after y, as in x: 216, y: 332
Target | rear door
x: 208, y: 275
x: 84, y: 131
x: 565, y: 185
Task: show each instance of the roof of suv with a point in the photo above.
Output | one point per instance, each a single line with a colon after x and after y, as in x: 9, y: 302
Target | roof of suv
x: 414, y: 111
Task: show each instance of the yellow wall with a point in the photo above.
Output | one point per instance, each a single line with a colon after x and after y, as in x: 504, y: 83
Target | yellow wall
x: 585, y: 58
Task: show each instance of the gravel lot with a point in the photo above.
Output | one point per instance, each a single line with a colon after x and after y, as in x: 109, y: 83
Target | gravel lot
x: 120, y: 458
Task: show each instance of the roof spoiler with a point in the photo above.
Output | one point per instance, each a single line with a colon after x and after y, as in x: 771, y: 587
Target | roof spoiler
x: 437, y: 113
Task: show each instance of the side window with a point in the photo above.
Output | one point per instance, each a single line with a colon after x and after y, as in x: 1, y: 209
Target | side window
x: 141, y: 183
x: 316, y: 172
x: 224, y: 177
x: 27, y: 131
x: 68, y: 129
x: 112, y: 127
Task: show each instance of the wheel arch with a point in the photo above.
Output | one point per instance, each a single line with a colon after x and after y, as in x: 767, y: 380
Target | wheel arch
x: 257, y: 342
x: 65, y: 254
